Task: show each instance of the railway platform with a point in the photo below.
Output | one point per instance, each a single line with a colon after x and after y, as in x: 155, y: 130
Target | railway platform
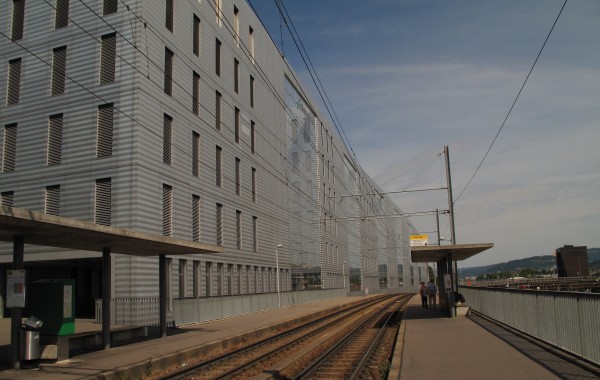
x: 430, y: 346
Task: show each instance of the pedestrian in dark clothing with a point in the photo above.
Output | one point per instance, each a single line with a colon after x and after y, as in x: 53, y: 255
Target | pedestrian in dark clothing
x: 423, y: 293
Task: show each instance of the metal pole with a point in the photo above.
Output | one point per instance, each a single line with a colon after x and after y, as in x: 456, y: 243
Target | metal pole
x: 437, y: 222
x: 454, y: 272
x: 16, y: 312
x: 162, y: 291
x: 106, y: 293
x: 277, y: 274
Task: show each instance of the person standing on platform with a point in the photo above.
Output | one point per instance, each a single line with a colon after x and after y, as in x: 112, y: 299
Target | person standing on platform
x: 423, y: 293
x: 431, y: 293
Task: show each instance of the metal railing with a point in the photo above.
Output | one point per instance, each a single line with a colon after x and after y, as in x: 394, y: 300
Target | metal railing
x: 568, y: 320
x: 145, y: 311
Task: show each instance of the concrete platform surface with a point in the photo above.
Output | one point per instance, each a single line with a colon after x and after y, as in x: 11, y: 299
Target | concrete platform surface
x: 430, y: 346
x: 136, y: 359
x: 438, y: 347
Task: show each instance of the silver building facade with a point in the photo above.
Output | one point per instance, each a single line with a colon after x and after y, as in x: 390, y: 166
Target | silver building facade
x: 181, y: 118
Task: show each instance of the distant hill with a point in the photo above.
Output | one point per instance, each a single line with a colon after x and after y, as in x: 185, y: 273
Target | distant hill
x: 535, y: 262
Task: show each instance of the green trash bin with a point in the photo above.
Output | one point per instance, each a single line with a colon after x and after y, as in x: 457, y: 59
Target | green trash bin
x: 53, y: 302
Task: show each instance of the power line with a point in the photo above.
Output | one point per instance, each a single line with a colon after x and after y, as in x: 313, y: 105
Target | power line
x: 513, y: 104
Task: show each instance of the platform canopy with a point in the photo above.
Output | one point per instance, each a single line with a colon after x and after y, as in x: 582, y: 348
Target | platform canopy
x: 435, y: 253
x: 56, y: 231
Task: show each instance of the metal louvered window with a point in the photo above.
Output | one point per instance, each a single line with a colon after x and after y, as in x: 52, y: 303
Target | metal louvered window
x: 195, y: 218
x: 218, y: 110
x: 236, y: 76
x: 8, y: 198
x: 168, y: 87
x: 18, y: 18
x: 253, y: 185
x: 14, y: 81
x: 255, y: 233
x: 104, y: 133
x: 52, y: 206
x: 238, y: 228
x: 62, y: 14
x: 167, y: 136
x: 218, y: 167
x: 237, y: 125
x: 218, y: 57
x: 55, y: 126
x: 196, y: 94
x: 196, y: 36
x: 102, y: 212
x: 110, y: 6
x: 252, y: 136
x: 219, y: 223
x: 9, y: 151
x: 169, y: 15
x: 236, y: 25
x: 167, y: 214
x: 195, y: 154
x: 107, y: 58
x: 251, y: 43
x: 251, y: 91
x: 59, y: 65
x: 238, y: 184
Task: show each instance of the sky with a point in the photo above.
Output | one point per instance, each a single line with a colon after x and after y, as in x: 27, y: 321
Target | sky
x: 408, y: 77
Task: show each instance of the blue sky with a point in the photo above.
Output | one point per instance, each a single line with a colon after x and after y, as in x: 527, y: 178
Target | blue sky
x: 408, y: 77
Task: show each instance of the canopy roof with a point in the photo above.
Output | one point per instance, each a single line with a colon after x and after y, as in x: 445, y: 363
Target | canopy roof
x: 458, y: 252
x: 57, y: 231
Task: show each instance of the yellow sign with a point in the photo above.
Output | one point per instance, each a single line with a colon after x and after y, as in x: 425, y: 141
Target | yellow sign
x: 419, y: 240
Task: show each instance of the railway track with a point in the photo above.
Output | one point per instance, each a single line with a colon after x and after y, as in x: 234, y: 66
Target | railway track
x: 315, y: 345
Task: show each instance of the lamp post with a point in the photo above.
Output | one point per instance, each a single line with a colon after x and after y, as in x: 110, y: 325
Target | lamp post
x: 277, y: 273
x: 344, y: 273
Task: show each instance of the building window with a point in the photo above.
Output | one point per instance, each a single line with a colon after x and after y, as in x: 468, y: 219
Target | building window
x: 52, y: 206
x: 238, y: 228
x: 18, y: 18
x: 218, y: 57
x: 14, y: 81
x: 102, y: 209
x: 195, y: 154
x: 9, y: 151
x: 8, y: 198
x: 219, y: 223
x: 196, y: 278
x: 59, y: 63
x: 104, y: 134
x: 251, y: 43
x: 238, y: 185
x: 168, y: 72
x: 62, y: 14
x: 195, y: 218
x: 110, y: 6
x: 218, y: 167
x: 218, y: 110
x: 107, y: 58
x: 236, y: 25
x: 253, y: 185
x: 255, y: 233
x: 251, y: 91
x: 237, y: 125
x: 182, y: 278
x: 55, y: 126
x: 167, y: 210
x: 169, y: 15
x: 196, y: 94
x: 236, y: 76
x: 167, y: 137
x: 219, y: 11
x: 252, y: 136
x: 196, y: 37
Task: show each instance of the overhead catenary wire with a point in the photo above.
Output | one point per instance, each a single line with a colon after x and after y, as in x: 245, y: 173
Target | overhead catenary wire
x: 513, y: 103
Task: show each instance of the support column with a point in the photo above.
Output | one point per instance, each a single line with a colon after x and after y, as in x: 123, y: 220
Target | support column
x: 106, y: 295
x: 16, y: 312
x: 162, y: 293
